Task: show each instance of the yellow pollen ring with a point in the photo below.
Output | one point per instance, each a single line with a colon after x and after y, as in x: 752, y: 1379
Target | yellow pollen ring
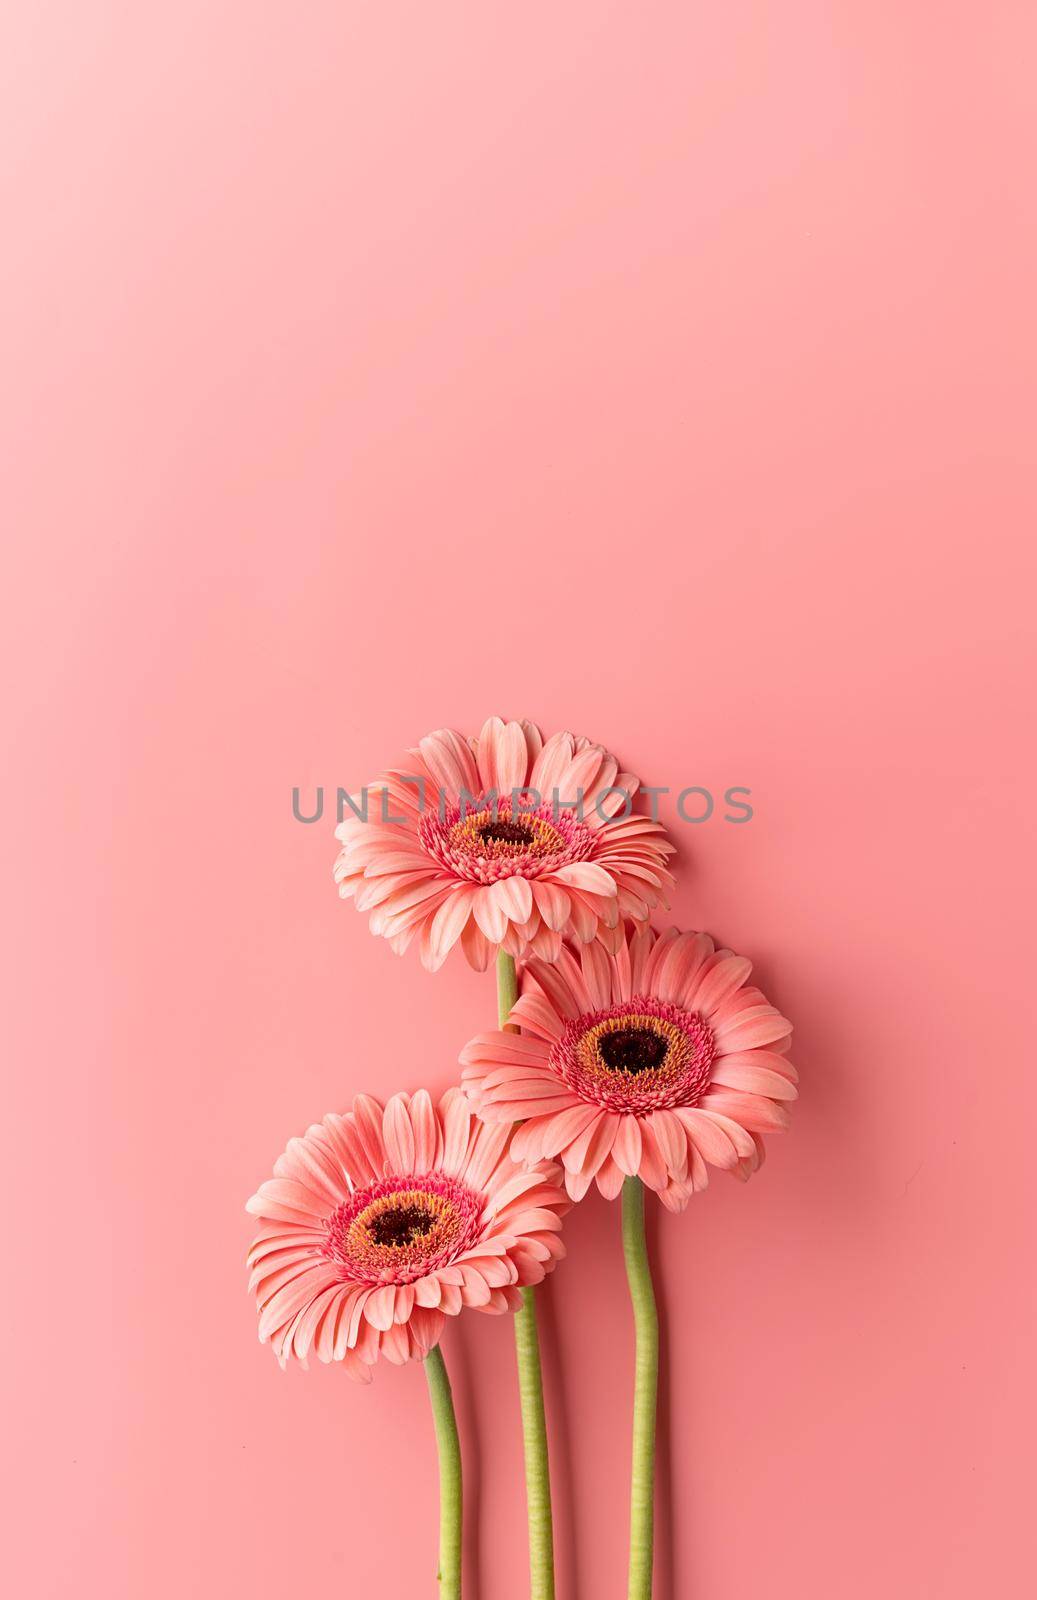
x: 589, y: 1054
x: 361, y: 1237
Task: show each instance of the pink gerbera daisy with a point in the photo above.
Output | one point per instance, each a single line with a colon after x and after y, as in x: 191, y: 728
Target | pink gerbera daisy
x: 378, y: 1225
x: 651, y: 1062
x: 501, y: 842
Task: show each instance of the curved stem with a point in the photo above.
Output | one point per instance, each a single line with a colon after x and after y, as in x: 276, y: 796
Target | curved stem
x: 646, y: 1386
x: 531, y: 1387
x: 449, y: 1574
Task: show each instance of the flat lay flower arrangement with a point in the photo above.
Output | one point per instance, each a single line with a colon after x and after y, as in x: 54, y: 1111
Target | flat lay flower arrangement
x: 625, y: 1058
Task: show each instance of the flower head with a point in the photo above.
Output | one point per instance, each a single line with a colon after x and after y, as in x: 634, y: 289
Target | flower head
x: 501, y: 841
x: 654, y: 1062
x: 379, y: 1224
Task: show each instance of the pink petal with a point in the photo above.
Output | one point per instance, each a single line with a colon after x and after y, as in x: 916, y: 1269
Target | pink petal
x: 562, y: 984
x: 450, y: 1301
x: 475, y: 1291
x: 565, y: 1125
x: 512, y: 759
x: 609, y: 1179
x: 552, y: 902
x: 511, y: 1188
x: 457, y: 1119
x: 502, y: 756
x: 626, y: 1152
x: 652, y: 1169
x: 551, y: 765
x: 487, y: 1148
x: 641, y: 946
x: 753, y: 1111
x: 357, y: 1327
x: 675, y: 1196
x: 749, y: 1030
x: 293, y: 1298
x: 404, y: 1302
x: 583, y: 917
x: 520, y: 1106
x: 587, y: 1152
x: 426, y: 1329
x: 378, y: 1308
x: 722, y: 978
x: 675, y: 964
x: 740, y: 1137
x: 525, y: 1141
x: 398, y: 1134
x: 534, y: 742
x: 515, y: 898
x: 450, y: 921
x: 367, y: 1118
x: 771, y: 1059
x: 395, y: 1345
x: 709, y: 1138
x: 489, y: 915
x: 546, y: 944
x: 428, y: 1291
x: 500, y: 1048
x: 597, y: 975
x: 585, y: 875
x: 477, y: 948
x: 285, y: 1198
x: 577, y: 1183
x: 426, y: 1131
x: 348, y: 1150
x: 757, y: 1080
x: 672, y: 1140
x: 450, y: 763
x: 314, y: 1165
x: 535, y: 1012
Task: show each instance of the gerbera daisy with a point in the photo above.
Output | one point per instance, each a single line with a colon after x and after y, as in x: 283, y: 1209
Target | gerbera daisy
x: 501, y: 842
x: 378, y: 1225
x: 654, y: 1062
x: 642, y: 1067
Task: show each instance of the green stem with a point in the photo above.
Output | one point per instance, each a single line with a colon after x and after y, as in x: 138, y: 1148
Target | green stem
x: 534, y: 1440
x: 531, y: 1386
x: 646, y: 1386
x: 449, y: 1475
x: 507, y: 989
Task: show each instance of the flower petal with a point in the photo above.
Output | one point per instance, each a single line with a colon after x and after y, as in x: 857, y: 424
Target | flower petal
x: 626, y: 1152
x: 398, y: 1134
x: 515, y: 898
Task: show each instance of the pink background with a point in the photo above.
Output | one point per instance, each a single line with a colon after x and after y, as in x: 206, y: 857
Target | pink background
x: 663, y: 372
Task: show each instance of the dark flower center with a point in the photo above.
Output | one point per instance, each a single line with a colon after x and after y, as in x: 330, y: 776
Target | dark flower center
x: 502, y: 839
x: 632, y: 1050
x: 401, y: 1225
x: 639, y: 1056
x: 506, y: 833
